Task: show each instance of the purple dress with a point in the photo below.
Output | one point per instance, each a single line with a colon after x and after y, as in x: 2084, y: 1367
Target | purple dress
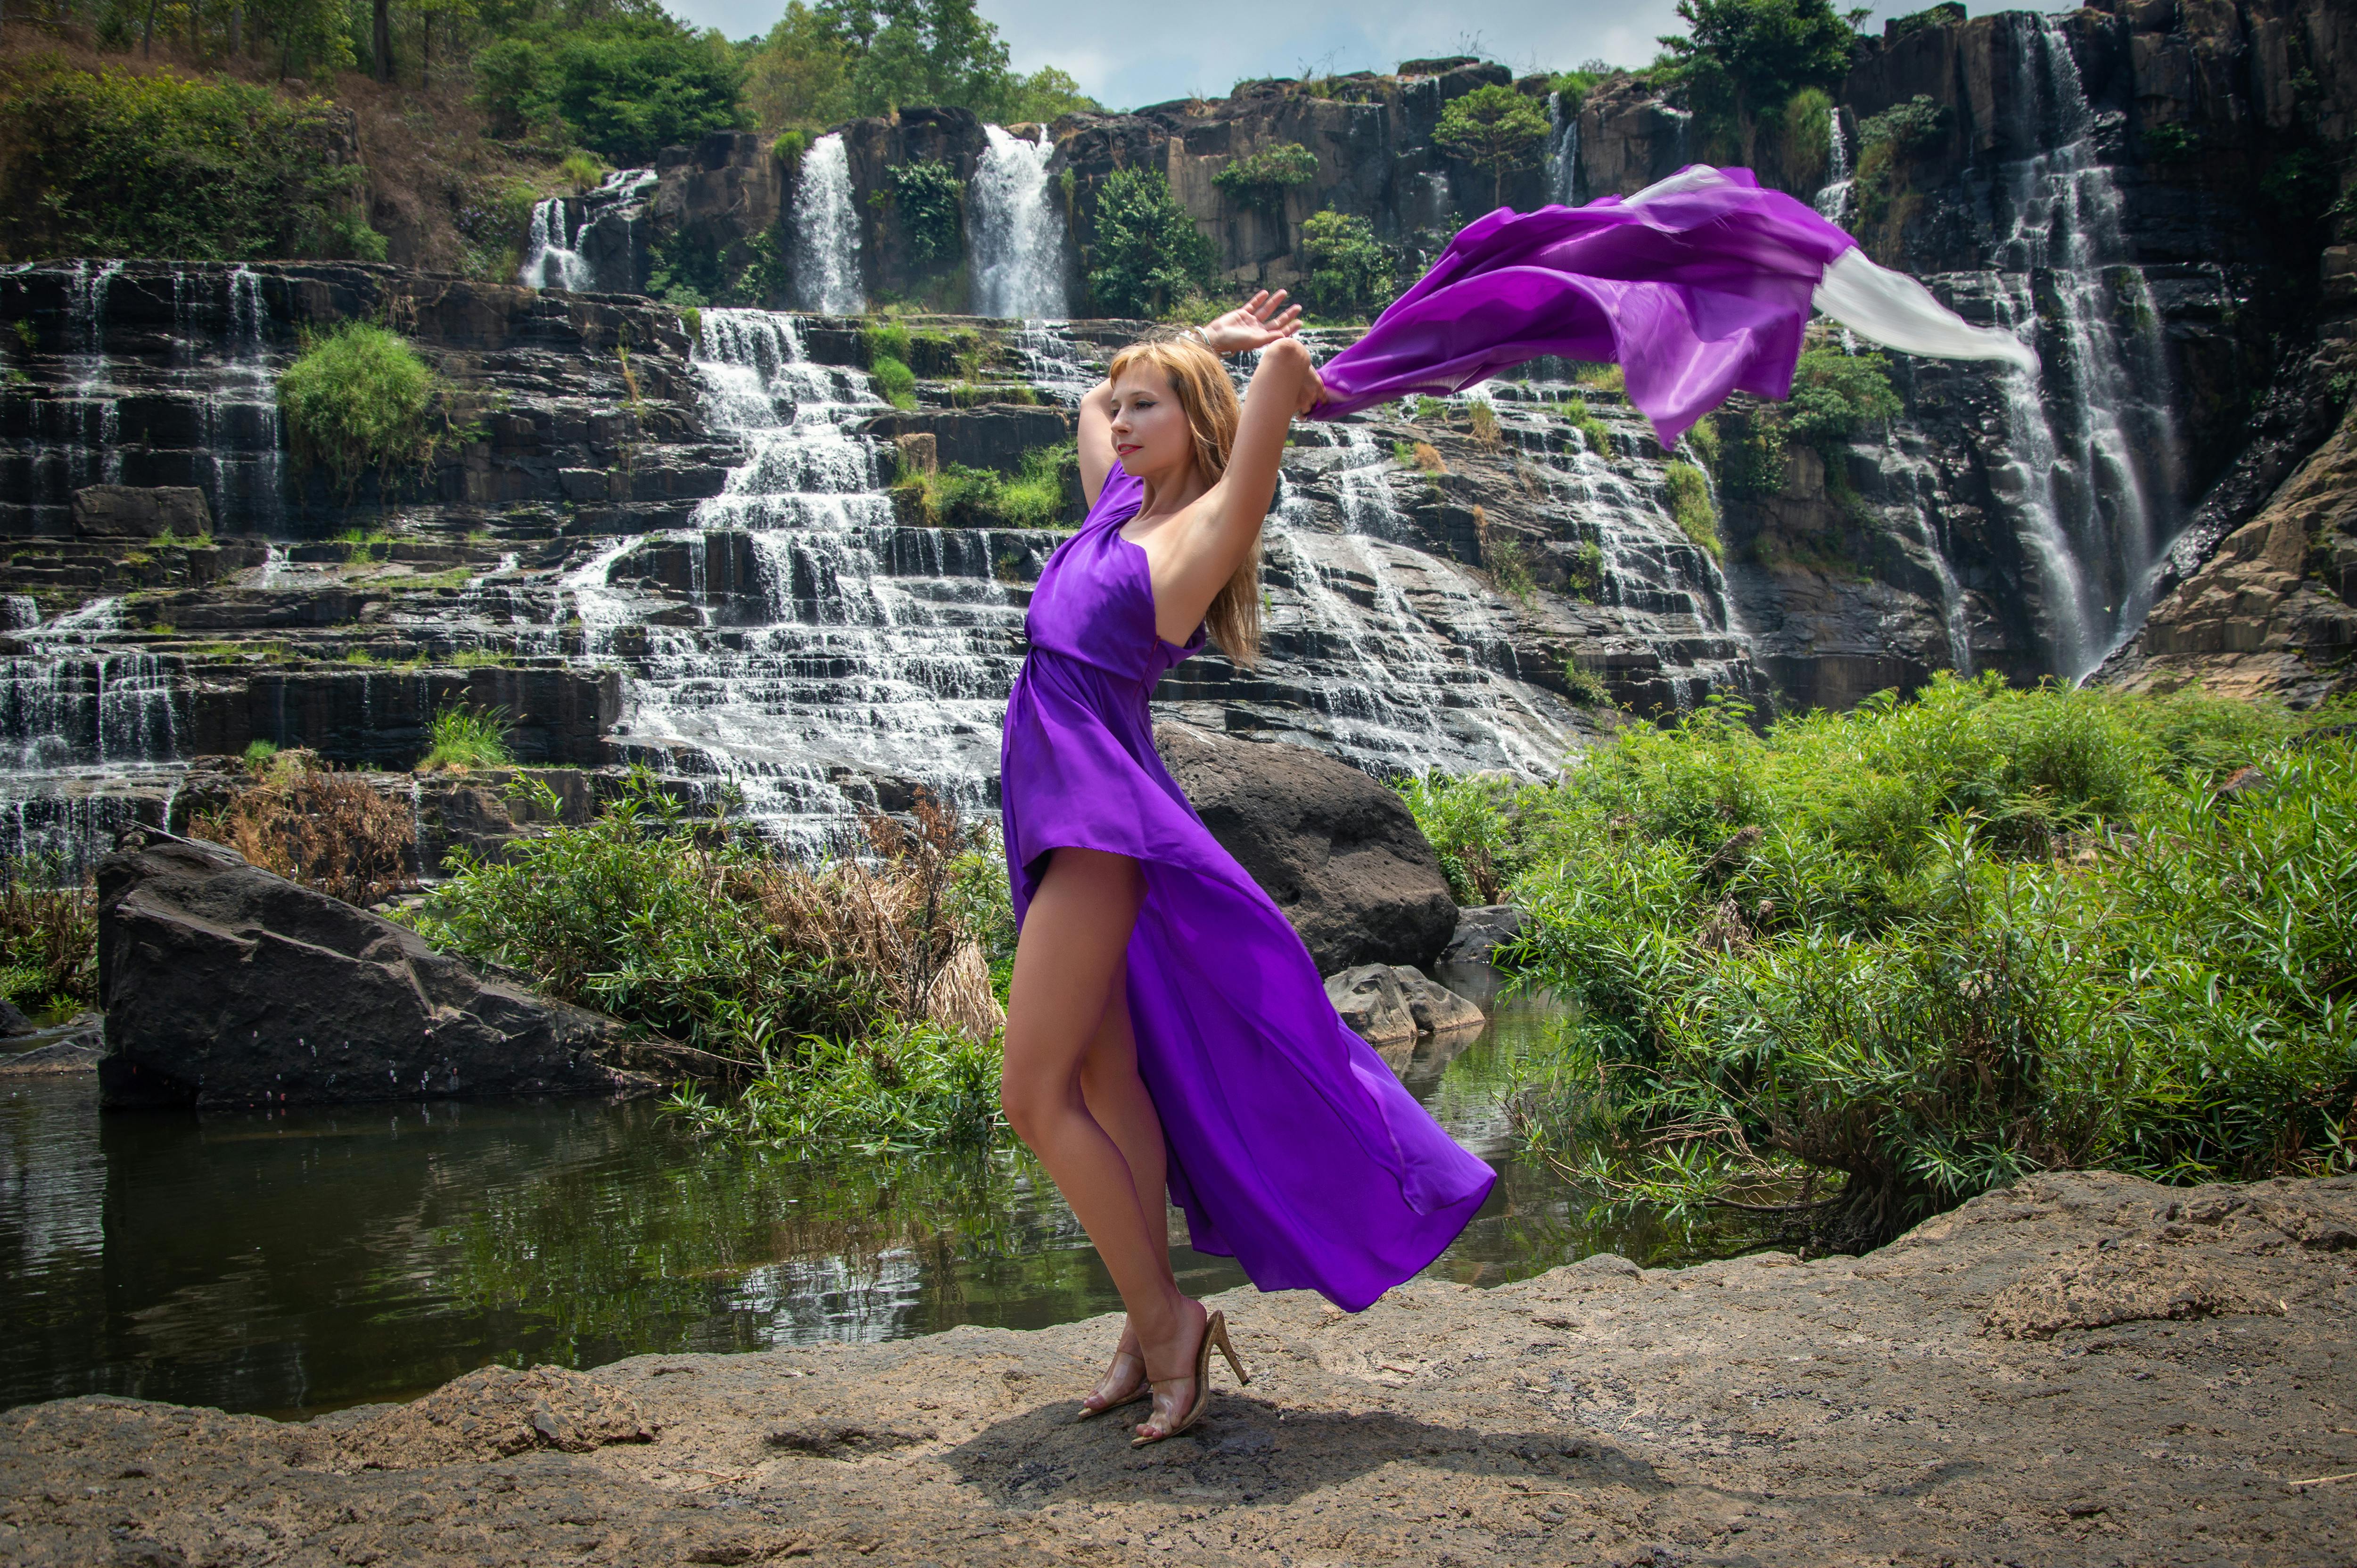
x: 1293, y: 1148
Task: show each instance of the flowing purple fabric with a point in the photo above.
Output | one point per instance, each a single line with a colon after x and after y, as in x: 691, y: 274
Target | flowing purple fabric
x: 1699, y: 287
x: 1293, y: 1148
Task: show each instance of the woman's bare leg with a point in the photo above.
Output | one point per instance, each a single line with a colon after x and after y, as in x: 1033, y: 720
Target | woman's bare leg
x: 1117, y: 1098
x: 1075, y: 938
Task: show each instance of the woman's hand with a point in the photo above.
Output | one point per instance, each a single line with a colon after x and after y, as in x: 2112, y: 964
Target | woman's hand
x: 1259, y: 321
x: 1313, y: 390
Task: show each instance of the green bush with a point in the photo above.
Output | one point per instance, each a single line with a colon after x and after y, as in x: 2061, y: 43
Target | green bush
x: 1742, y: 60
x: 360, y: 400
x: 931, y: 199
x: 462, y: 739
x: 1836, y: 395
x: 49, y: 935
x: 1875, y: 962
x: 895, y: 383
x: 111, y: 163
x: 904, y: 1086
x: 961, y: 497
x: 1571, y: 88
x: 625, y: 85
x: 1146, y: 254
x: 1687, y: 493
x: 1262, y: 179
x: 1352, y: 274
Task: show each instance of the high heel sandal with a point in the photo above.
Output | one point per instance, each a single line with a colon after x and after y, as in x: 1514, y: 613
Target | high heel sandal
x: 1145, y: 1389
x: 1215, y: 1332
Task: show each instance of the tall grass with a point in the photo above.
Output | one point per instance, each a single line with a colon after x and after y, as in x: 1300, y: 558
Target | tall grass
x: 49, y: 935
x: 1867, y: 965
x: 462, y: 739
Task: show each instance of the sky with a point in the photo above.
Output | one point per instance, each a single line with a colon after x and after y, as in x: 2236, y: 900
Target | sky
x: 1128, y: 54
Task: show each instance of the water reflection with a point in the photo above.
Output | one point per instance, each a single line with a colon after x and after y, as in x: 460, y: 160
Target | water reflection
x: 298, y: 1261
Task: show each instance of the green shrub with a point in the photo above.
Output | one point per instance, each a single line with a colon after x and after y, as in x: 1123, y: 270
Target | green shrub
x: 1807, y: 135
x: 1571, y: 88
x: 1262, y: 179
x: 582, y: 171
x: 1593, y: 432
x: 930, y: 200
x: 1511, y: 568
x: 1742, y: 60
x: 895, y: 383
x: 463, y: 740
x: 1879, y: 962
x: 1584, y: 578
x: 49, y: 935
x: 958, y: 495
x: 1146, y: 254
x: 1585, y: 686
x: 1687, y: 495
x: 359, y: 399
x: 903, y: 1086
x: 1352, y: 274
x: 258, y: 753
x: 111, y: 163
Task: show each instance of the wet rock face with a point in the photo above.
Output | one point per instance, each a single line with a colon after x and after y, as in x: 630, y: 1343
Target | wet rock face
x: 224, y: 986
x: 1336, y: 850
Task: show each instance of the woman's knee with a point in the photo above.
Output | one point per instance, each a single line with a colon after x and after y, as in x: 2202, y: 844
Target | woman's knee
x: 1031, y: 1102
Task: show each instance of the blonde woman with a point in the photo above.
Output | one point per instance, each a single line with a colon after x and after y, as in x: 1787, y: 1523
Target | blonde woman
x: 1166, y: 1030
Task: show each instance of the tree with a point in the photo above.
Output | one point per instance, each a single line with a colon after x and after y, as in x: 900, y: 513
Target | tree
x: 1351, y: 274
x: 1743, y: 58
x: 1262, y: 179
x: 1145, y: 254
x: 1494, y: 128
x: 907, y: 52
x: 800, y: 74
x: 625, y: 87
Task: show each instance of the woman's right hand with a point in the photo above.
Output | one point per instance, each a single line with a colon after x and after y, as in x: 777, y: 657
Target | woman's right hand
x: 1258, y: 322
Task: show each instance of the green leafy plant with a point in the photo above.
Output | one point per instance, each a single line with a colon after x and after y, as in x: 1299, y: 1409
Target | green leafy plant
x: 1262, y: 179
x: 360, y: 400
x: 1352, y: 274
x: 1495, y: 129
x: 895, y: 383
x: 48, y: 934
x: 958, y: 495
x: 1740, y: 62
x: 1145, y: 254
x: 1686, y: 494
x: 1585, y: 686
x: 463, y: 739
x: 929, y: 199
x: 1510, y: 566
x: 623, y: 85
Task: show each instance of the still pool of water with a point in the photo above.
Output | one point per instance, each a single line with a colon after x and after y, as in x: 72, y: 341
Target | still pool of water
x: 297, y: 1261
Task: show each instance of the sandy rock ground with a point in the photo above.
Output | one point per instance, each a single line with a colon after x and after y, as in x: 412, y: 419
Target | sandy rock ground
x: 2081, y: 1369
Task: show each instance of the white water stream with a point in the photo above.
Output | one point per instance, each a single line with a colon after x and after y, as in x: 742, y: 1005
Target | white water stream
x: 1018, y: 230
x: 825, y: 251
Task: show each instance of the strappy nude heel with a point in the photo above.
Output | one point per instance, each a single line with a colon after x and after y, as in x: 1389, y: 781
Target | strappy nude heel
x: 1215, y: 1332
x: 1145, y: 1389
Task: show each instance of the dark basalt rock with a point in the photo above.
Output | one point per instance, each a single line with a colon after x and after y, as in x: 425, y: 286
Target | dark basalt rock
x: 225, y: 985
x: 1338, y: 852
x: 127, y: 512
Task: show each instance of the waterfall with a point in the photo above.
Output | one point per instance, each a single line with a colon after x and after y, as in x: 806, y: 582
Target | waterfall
x: 551, y: 261
x: 1563, y: 153
x: 1833, y: 197
x: 826, y: 231
x: 560, y: 252
x: 2092, y: 482
x: 1019, y: 234
x: 248, y: 385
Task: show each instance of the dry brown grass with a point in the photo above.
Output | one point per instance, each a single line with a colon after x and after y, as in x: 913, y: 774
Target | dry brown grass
x: 887, y: 916
x: 327, y: 830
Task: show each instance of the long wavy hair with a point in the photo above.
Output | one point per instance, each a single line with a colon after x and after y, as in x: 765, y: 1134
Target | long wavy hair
x: 1200, y: 384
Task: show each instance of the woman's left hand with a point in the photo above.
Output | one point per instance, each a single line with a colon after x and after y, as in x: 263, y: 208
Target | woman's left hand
x: 1257, y: 323
x: 1313, y: 392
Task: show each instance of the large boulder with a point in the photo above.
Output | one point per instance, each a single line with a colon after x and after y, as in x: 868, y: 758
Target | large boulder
x: 1338, y: 852
x: 226, y: 986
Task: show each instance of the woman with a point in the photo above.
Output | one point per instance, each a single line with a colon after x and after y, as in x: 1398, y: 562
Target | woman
x: 1166, y: 1027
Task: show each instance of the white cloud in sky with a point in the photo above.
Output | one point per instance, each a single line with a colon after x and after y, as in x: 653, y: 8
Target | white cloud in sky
x: 1126, y: 55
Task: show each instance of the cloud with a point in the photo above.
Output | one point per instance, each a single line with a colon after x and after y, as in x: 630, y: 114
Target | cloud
x: 1129, y: 54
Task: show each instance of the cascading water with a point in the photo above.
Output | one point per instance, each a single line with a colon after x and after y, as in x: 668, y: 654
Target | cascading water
x: 1562, y: 151
x: 2091, y: 484
x: 1019, y: 234
x: 1833, y: 197
x: 562, y: 253
x: 826, y: 231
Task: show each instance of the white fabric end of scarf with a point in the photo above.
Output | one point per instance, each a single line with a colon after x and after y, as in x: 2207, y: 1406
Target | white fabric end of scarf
x: 1894, y: 310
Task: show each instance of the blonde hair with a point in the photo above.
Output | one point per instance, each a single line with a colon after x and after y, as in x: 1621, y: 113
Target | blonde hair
x: 1200, y: 382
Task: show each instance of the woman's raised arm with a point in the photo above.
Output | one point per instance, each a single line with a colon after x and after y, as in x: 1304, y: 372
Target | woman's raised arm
x: 1095, y: 437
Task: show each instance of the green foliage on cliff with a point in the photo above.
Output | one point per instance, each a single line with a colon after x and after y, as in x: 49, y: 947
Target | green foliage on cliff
x: 464, y: 738
x: 1352, y: 274
x: 1262, y: 179
x: 1836, y: 396
x: 360, y: 400
x: 930, y: 200
x: 1495, y: 129
x: 624, y: 86
x: 112, y: 163
x: 1571, y: 88
x: 1146, y: 254
x: 958, y: 495
x: 1742, y: 60
x: 1913, y: 952
x: 1685, y: 492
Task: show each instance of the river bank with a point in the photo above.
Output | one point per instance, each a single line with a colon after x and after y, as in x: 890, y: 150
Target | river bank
x: 2081, y: 1369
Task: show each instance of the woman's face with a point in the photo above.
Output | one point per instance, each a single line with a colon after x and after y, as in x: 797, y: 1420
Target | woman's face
x: 1151, y: 433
